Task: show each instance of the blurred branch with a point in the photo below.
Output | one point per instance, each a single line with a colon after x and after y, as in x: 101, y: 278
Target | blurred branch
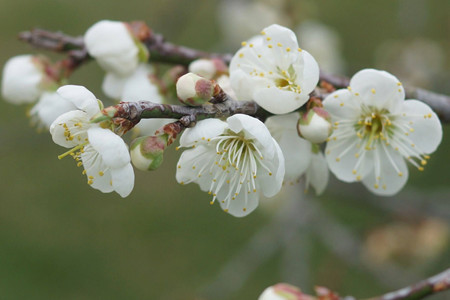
x: 165, y: 52
x: 427, y: 287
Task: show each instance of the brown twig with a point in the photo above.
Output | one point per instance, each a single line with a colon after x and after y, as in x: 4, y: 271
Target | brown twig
x: 163, y: 51
x: 427, y: 287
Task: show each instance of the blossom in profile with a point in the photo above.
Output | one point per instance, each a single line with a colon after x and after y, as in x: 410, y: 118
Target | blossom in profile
x: 113, y: 46
x: 376, y: 130
x: 233, y: 161
x: 140, y: 87
x: 302, y: 158
x: 103, y: 154
x: 23, y: 79
x: 50, y: 106
x: 274, y: 71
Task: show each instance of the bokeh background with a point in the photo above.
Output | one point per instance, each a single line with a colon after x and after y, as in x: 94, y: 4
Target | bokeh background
x: 60, y: 239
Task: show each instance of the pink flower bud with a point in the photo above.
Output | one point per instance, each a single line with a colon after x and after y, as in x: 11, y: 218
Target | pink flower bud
x: 283, y: 291
x: 194, y: 90
x: 315, y: 125
x: 147, y: 152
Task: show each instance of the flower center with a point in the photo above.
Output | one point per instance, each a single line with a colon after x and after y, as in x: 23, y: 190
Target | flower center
x: 286, y: 81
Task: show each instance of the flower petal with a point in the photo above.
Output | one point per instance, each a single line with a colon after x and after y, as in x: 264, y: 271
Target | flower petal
x: 21, y: 80
x: 203, y: 130
x: 138, y: 87
x: 253, y: 129
x: 427, y: 134
x: 110, y: 146
x: 342, y: 159
x: 81, y: 97
x: 393, y: 172
x: 309, y: 73
x: 113, y: 84
x: 66, y: 122
x: 279, y: 101
x: 317, y: 174
x: 378, y: 89
x: 342, y: 105
x: 271, y: 180
x: 50, y: 106
x: 123, y: 180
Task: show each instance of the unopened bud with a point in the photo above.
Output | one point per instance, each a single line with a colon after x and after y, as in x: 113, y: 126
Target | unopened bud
x: 194, y: 90
x: 283, y: 291
x: 208, y: 68
x: 147, y: 152
x: 315, y: 125
x: 25, y: 79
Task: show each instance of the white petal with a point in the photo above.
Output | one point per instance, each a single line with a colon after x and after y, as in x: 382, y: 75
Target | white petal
x: 296, y: 151
x: 244, y: 85
x: 341, y: 159
x: 113, y: 85
x: 139, y: 87
x: 253, y: 129
x: 390, y: 165
x: 343, y: 104
x: 310, y: 76
x: 97, y: 173
x: 281, y: 123
x: 110, y: 146
x: 378, y: 89
x: 203, y: 67
x: 50, y: 106
x: 297, y: 154
x: 279, y: 101
x: 270, y: 183
x: 199, y: 157
x: 81, y: 97
x: 57, y: 129
x: 113, y: 46
x: 317, y: 174
x: 427, y: 134
x: 246, y: 200
x: 123, y: 180
x: 21, y: 80
x: 203, y: 130
x: 149, y: 126
x: 282, y: 35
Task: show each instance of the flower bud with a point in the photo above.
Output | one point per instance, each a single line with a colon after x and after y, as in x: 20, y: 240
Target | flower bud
x: 194, y: 90
x: 208, y: 68
x: 283, y: 291
x: 147, y: 152
x: 114, y: 47
x: 315, y: 125
x: 23, y: 77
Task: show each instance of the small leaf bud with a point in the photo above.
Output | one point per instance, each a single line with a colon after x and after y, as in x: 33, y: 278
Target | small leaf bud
x: 147, y: 152
x: 315, y: 125
x: 194, y: 90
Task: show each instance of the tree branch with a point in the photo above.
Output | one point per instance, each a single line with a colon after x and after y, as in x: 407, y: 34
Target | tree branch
x: 165, y: 52
x: 427, y: 287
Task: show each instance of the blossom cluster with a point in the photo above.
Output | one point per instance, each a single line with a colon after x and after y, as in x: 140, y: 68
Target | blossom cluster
x: 366, y: 132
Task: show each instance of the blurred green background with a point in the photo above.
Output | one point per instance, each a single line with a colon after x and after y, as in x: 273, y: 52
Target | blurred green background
x: 60, y: 239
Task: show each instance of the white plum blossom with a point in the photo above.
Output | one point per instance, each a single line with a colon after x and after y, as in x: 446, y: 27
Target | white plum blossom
x: 376, y: 130
x: 50, y: 106
x: 233, y: 161
x: 22, y: 79
x: 103, y: 154
x: 139, y: 87
x: 272, y: 70
x: 301, y: 156
x: 113, y: 46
